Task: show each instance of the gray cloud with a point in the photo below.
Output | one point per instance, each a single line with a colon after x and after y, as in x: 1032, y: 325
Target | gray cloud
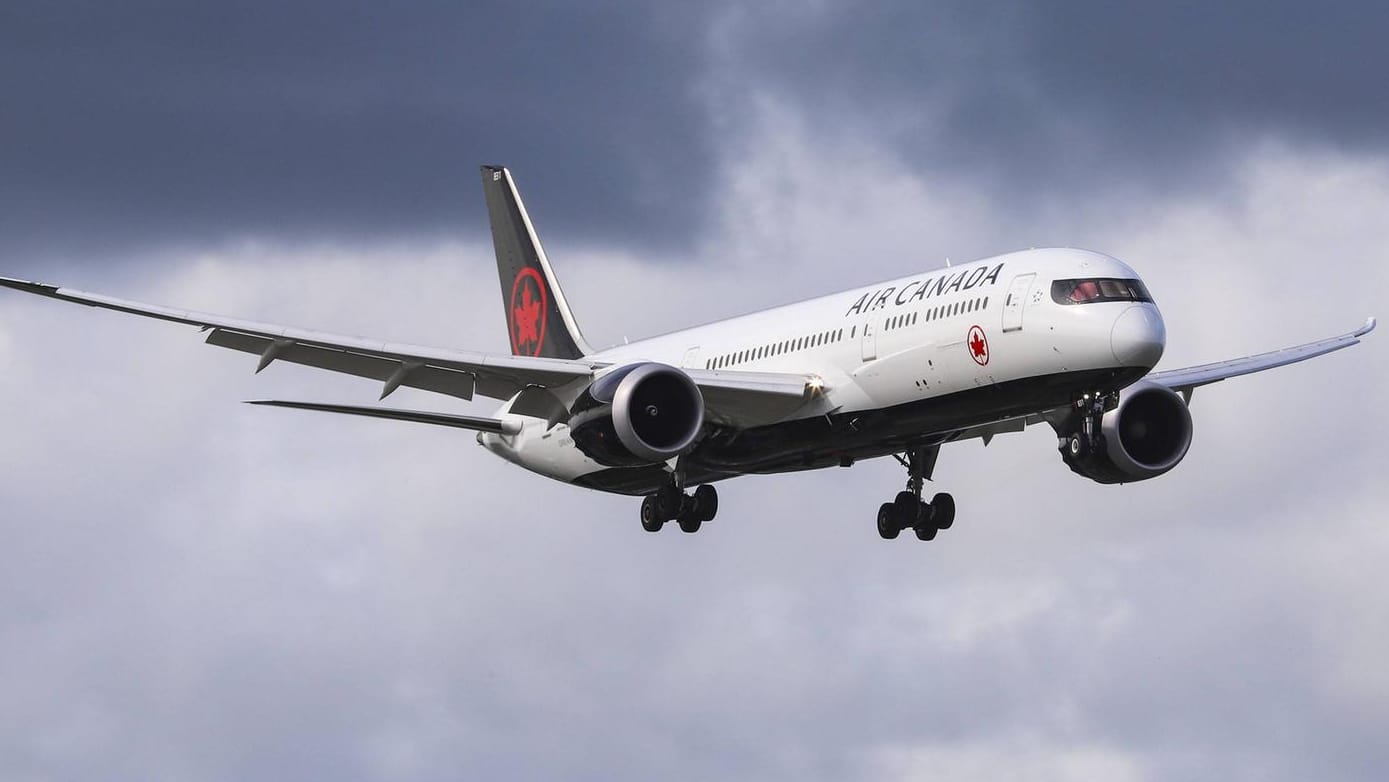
x: 1076, y: 100
x: 326, y: 119
x: 201, y: 590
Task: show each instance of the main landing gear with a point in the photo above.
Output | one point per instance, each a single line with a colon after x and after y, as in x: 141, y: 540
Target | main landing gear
x: 672, y: 504
x: 907, y: 510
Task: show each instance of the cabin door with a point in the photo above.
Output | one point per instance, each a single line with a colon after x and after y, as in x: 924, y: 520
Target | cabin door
x: 1017, y: 296
x: 870, y: 341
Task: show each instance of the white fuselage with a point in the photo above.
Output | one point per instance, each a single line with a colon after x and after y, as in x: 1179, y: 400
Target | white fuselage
x: 932, y: 335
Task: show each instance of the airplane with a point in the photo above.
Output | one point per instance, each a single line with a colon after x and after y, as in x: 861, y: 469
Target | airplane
x: 1059, y: 336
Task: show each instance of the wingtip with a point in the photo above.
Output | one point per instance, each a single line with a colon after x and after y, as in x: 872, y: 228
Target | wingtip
x: 27, y: 286
x: 1369, y: 326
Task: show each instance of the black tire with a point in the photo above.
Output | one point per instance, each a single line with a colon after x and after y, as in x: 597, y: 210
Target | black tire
x: 887, y: 521
x: 689, y: 523
x: 942, y: 511
x: 925, y: 531
x: 1075, y: 445
x: 906, y: 503
x: 706, y: 502
x: 651, y: 521
x: 669, y: 502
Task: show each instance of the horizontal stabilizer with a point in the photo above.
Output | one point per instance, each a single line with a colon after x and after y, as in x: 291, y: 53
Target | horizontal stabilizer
x: 493, y: 425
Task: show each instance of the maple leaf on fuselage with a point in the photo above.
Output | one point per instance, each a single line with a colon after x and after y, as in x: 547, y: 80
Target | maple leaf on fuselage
x: 977, y: 346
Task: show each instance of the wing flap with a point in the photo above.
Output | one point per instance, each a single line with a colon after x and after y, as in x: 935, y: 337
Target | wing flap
x: 393, y: 372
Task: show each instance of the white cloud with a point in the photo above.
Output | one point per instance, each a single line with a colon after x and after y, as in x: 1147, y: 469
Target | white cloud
x: 1005, y: 762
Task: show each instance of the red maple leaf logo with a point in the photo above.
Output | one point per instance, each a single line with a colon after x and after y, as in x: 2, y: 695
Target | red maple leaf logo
x: 978, y: 346
x: 527, y: 313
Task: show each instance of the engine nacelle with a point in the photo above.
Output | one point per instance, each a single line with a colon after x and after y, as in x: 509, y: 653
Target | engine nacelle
x: 637, y: 414
x: 1146, y: 435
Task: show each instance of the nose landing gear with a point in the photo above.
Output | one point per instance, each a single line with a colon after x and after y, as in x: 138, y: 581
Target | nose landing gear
x: 907, y: 510
x: 1084, y: 437
x: 1079, y: 439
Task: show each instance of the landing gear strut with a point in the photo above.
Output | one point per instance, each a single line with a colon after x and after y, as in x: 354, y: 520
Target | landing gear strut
x: 690, y: 511
x: 1084, y: 437
x: 907, y: 510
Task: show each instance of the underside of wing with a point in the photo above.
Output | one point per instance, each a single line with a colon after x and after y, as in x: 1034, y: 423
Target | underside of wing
x: 455, y: 373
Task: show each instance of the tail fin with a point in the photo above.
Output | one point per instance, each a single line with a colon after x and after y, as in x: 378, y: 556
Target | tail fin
x: 537, y: 315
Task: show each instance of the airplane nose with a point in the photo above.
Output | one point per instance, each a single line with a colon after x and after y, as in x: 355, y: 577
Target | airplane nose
x: 1138, y: 337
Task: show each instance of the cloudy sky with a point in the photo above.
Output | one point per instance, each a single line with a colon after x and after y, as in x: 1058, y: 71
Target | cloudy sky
x: 194, y: 589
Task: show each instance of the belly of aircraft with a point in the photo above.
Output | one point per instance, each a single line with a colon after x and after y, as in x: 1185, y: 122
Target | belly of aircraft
x: 827, y: 441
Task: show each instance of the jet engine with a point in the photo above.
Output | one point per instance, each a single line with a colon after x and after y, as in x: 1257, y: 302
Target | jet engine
x: 638, y: 414
x: 1144, y: 436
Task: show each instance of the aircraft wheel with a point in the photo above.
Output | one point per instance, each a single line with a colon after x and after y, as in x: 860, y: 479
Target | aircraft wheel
x: 706, y: 502
x: 1075, y: 445
x: 669, y: 502
x: 689, y: 523
x: 925, y: 531
x: 942, y: 511
x: 906, y: 504
x: 887, y: 521
x: 651, y: 521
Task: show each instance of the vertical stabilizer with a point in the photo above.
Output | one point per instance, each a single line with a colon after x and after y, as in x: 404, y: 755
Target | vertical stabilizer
x: 537, y: 315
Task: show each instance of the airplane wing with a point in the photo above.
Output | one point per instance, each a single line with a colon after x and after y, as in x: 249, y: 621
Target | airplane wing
x: 735, y: 398
x: 455, y: 373
x: 1185, y: 380
x: 746, y: 399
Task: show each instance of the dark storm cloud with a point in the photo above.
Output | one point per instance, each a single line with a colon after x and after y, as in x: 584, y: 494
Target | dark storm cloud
x: 151, y: 123
x: 174, y: 122
x: 1042, y: 97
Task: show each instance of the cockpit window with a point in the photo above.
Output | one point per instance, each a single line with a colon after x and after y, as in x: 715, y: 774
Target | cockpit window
x: 1097, y: 290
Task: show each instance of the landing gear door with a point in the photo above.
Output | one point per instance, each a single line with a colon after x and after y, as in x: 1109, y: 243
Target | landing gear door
x: 1017, y: 296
